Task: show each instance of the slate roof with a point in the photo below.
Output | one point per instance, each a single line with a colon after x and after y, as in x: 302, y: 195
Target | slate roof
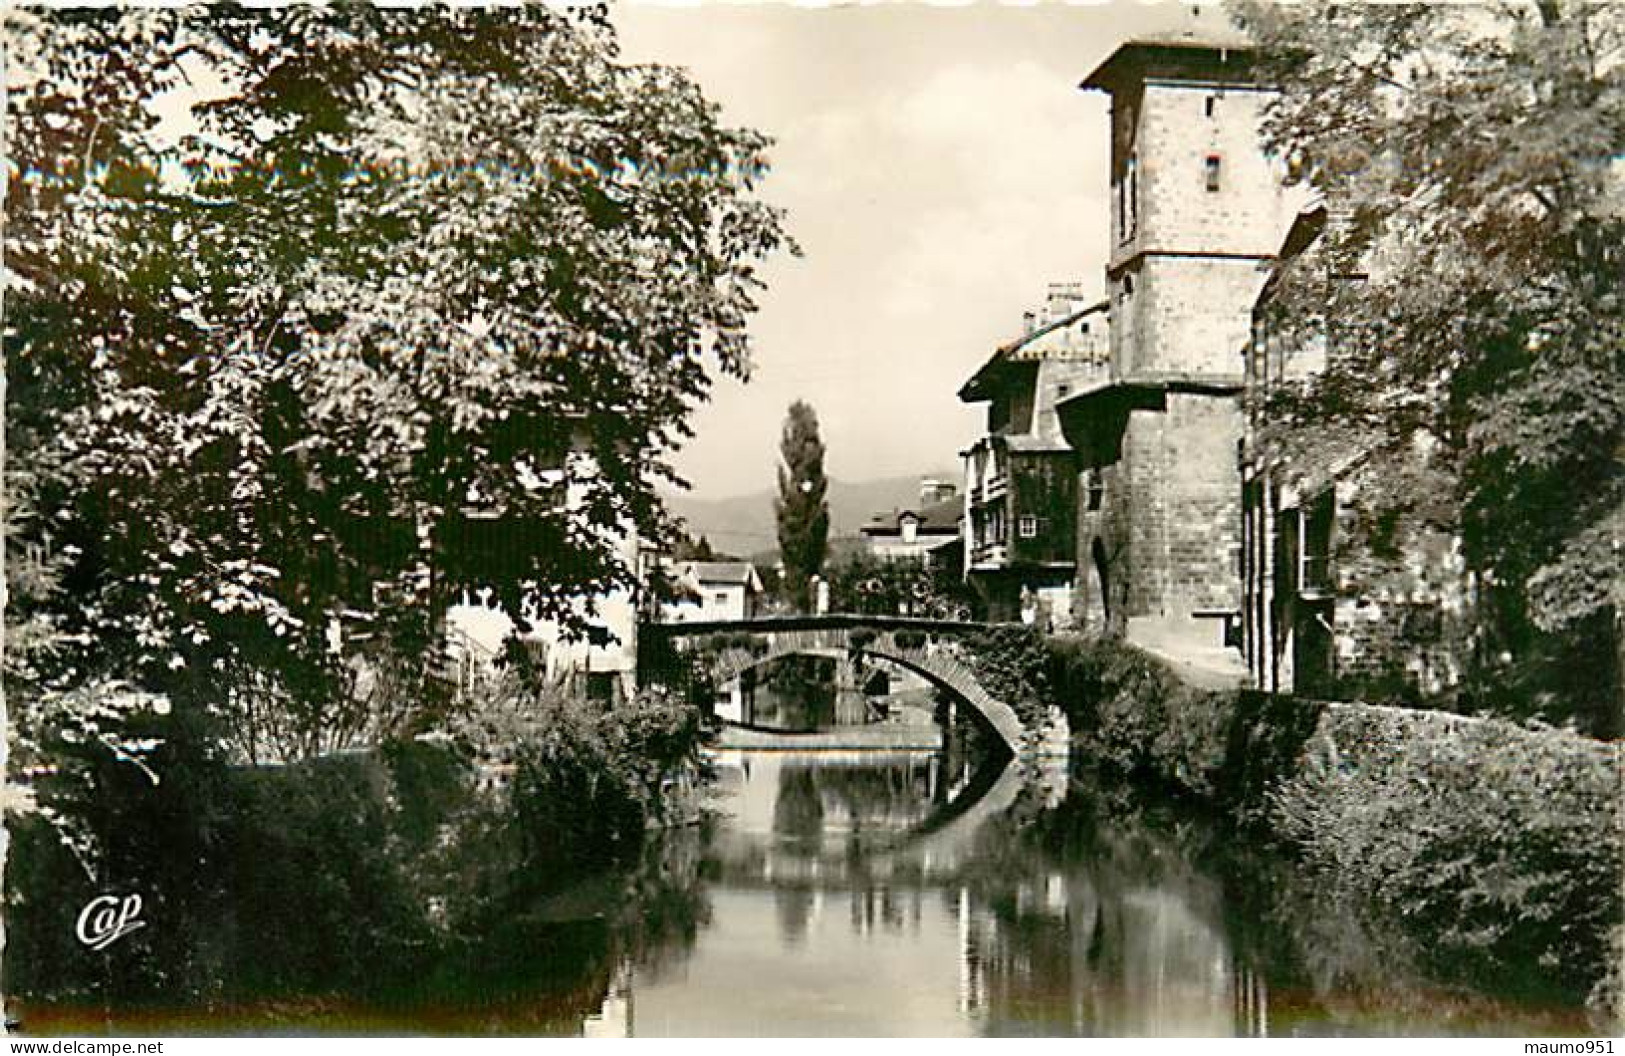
x: 1028, y: 348
x: 939, y: 518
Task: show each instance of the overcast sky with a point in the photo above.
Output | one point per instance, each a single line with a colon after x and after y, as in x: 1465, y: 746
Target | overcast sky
x: 940, y: 167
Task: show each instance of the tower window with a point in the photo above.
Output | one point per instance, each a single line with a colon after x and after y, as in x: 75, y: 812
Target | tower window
x: 1212, y: 170
x: 1128, y: 199
x: 1028, y: 526
x: 1062, y: 391
x: 1209, y: 104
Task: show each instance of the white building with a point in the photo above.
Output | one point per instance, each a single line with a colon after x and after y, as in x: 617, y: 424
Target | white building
x: 713, y: 591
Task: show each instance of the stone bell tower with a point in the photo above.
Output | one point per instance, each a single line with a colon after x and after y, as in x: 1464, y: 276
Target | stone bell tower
x: 1197, y: 212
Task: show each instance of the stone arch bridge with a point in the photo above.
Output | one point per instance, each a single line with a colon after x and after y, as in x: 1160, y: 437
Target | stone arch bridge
x: 932, y: 649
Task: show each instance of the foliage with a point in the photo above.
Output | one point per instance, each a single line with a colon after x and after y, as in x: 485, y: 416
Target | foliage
x: 801, y: 507
x: 1010, y: 663
x: 1500, y: 847
x: 384, y: 876
x: 1467, y: 286
x: 869, y: 585
x: 1495, y: 849
x: 909, y: 639
x: 1136, y: 717
x: 417, y: 308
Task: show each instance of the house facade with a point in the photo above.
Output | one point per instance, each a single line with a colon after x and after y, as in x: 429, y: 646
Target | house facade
x: 713, y: 591
x: 1196, y: 216
x: 1346, y: 590
x: 1020, y: 546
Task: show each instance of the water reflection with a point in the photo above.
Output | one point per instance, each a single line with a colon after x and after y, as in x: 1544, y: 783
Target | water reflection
x: 887, y: 894
x: 860, y: 893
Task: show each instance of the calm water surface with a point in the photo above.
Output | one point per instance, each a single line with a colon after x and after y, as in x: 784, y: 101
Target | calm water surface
x: 884, y: 893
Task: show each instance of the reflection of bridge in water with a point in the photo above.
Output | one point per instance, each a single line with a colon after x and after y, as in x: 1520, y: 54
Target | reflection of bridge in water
x: 888, y: 893
x: 816, y: 848
x: 931, y: 649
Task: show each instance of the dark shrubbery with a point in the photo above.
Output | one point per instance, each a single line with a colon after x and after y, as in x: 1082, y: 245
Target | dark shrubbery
x: 1500, y: 846
x: 1497, y: 847
x: 1012, y: 664
x: 1137, y: 719
x: 909, y: 639
x: 360, y: 878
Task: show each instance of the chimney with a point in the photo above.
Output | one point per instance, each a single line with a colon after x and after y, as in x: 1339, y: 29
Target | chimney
x: 935, y: 491
x: 1064, y: 299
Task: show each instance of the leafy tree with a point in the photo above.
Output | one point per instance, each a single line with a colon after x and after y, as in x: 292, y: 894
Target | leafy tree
x: 863, y: 583
x: 1471, y: 286
x: 803, y: 513
x: 417, y: 309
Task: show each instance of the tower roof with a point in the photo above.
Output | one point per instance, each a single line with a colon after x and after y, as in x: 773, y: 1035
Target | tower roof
x: 1215, y: 56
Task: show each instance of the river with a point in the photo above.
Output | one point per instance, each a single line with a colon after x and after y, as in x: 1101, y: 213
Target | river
x: 884, y: 893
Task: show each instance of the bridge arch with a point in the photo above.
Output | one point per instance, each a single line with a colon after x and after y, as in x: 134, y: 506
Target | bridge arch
x: 921, y: 646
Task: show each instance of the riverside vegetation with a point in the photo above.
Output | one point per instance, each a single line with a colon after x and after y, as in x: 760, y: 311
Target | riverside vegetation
x: 389, y: 877
x: 1464, y: 851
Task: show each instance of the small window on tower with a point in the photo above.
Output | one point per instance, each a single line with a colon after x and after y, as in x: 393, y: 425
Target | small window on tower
x: 1210, y: 104
x: 1212, y: 172
x: 1028, y: 526
x: 1062, y: 391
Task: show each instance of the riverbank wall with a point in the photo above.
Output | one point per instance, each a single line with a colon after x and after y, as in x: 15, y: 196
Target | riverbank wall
x: 1500, y: 847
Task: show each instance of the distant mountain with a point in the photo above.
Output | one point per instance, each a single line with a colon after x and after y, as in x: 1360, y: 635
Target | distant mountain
x: 744, y: 524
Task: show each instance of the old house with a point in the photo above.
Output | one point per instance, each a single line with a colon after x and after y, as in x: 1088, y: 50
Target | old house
x: 1020, y: 482
x: 713, y: 590
x: 1197, y: 210
x: 1353, y: 576
x: 925, y: 533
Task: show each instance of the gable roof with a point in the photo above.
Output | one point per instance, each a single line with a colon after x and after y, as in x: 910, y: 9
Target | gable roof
x: 939, y: 518
x: 726, y: 573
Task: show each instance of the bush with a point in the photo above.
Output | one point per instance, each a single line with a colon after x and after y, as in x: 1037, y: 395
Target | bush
x: 1499, y: 846
x: 909, y: 639
x: 1012, y: 664
x: 350, y: 877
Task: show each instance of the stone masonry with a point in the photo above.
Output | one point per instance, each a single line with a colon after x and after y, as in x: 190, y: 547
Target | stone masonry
x: 1197, y: 213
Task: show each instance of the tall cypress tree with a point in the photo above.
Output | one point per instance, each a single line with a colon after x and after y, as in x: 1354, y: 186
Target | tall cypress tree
x: 802, y: 510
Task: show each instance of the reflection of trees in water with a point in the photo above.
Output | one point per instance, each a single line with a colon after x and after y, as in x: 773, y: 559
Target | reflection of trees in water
x: 796, y: 693
x: 862, y: 797
x: 1094, y: 928
x: 794, y: 906
x: 799, y: 808
x: 1112, y: 916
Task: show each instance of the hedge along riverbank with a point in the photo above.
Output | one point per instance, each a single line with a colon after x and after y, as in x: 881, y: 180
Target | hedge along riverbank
x: 440, y: 878
x: 1499, y: 848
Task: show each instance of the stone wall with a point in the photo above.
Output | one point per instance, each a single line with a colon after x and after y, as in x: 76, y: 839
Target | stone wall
x: 1177, y: 502
x: 1194, y: 316
x: 1181, y: 127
